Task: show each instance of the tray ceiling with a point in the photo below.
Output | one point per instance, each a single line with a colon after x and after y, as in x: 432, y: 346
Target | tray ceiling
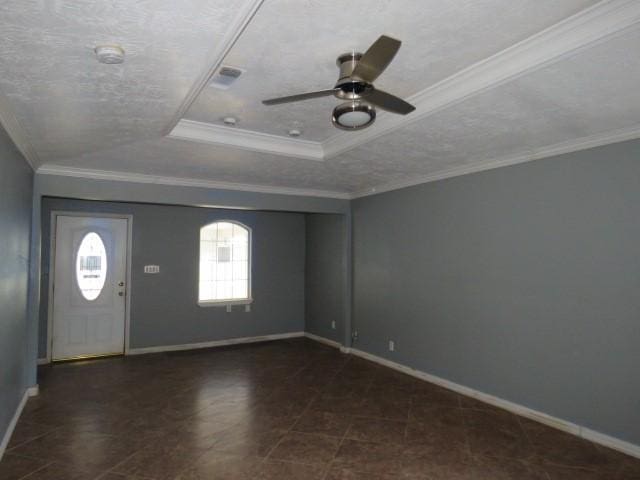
x: 291, y: 47
x: 485, y: 102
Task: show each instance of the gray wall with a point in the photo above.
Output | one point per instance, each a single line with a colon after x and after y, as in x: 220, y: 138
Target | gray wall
x: 16, y: 183
x: 128, y: 191
x: 522, y: 282
x: 325, y: 276
x: 164, y: 308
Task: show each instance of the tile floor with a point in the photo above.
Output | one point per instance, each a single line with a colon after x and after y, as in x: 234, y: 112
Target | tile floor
x: 291, y: 409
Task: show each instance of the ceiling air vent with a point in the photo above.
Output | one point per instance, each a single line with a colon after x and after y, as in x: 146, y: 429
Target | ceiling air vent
x: 225, y: 77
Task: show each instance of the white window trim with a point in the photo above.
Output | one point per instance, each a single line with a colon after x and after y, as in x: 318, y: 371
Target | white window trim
x: 224, y: 303
x: 230, y: 301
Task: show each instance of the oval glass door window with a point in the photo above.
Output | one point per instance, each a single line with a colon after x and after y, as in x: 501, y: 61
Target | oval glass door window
x: 91, y: 266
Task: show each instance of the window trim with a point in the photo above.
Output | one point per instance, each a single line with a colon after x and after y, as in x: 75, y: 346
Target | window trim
x: 230, y: 301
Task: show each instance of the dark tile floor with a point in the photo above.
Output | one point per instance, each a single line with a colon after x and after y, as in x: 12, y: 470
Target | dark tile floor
x: 282, y: 410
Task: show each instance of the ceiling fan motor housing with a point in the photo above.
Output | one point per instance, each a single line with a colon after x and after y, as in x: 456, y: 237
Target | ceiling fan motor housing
x: 355, y: 85
x: 351, y: 88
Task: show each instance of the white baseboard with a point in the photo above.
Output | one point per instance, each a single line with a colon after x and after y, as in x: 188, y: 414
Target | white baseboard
x: 555, y: 422
x: 29, y: 392
x: 214, y: 343
x: 326, y: 341
x: 319, y: 339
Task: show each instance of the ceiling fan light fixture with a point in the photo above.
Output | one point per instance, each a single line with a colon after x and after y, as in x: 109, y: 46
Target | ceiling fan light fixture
x: 353, y: 115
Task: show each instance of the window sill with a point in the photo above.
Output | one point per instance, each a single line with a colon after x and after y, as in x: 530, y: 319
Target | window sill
x: 225, y: 303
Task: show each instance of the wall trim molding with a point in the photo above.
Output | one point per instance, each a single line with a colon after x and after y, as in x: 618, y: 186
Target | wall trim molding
x: 326, y: 341
x: 570, y: 146
x: 29, y: 392
x: 213, y: 343
x: 222, y: 48
x: 549, y: 420
x: 323, y: 340
x: 584, y: 143
x: 247, y: 140
x: 182, y: 182
x: 581, y: 30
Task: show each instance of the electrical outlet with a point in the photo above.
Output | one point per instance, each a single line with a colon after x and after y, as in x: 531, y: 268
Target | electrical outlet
x: 228, y: 308
x: 354, y: 335
x: 392, y: 346
x: 333, y: 324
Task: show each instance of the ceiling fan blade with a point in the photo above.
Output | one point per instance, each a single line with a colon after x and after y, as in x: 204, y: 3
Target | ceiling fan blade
x: 389, y: 102
x: 302, y: 96
x: 377, y: 58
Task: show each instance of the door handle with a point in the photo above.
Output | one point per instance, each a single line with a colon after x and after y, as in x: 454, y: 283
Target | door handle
x: 121, y: 284
x: 121, y: 294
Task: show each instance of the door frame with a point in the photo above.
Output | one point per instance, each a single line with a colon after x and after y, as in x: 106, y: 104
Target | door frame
x: 52, y: 266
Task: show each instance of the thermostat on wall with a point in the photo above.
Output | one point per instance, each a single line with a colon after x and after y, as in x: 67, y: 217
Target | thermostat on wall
x: 152, y: 269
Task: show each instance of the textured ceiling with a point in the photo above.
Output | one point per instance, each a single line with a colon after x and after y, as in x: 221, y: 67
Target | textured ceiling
x: 291, y: 47
x: 70, y: 104
x: 79, y: 114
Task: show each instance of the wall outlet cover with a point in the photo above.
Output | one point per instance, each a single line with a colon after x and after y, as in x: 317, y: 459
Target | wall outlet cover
x: 392, y: 346
x: 333, y: 324
x: 152, y: 269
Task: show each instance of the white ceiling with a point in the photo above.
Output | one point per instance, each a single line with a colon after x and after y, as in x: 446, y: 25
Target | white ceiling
x: 69, y: 104
x: 291, y: 47
x: 569, y: 87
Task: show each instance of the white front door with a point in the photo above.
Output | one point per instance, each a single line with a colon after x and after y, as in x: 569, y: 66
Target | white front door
x: 89, y: 289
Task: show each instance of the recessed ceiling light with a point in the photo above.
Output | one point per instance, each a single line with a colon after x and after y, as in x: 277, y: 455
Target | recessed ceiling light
x: 109, y: 54
x: 353, y: 115
x: 231, y: 121
x: 295, y: 132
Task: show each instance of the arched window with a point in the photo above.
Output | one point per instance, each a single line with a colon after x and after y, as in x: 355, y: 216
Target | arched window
x: 225, y: 264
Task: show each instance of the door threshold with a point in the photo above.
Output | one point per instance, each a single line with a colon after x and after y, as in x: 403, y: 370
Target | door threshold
x: 87, y: 357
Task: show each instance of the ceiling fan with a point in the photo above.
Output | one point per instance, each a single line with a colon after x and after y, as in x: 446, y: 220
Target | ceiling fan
x: 355, y: 84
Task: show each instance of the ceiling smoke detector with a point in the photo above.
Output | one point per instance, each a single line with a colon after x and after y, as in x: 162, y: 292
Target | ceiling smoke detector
x: 230, y: 121
x: 295, y: 132
x: 109, y: 54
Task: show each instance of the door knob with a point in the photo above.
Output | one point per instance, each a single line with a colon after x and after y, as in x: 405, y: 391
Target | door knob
x: 121, y: 294
x: 121, y: 284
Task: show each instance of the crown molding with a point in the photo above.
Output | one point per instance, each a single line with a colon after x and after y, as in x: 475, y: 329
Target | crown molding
x: 582, y: 30
x: 222, y: 48
x: 183, y: 182
x: 17, y: 133
x: 579, y: 31
x: 583, y: 143
x: 247, y: 140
